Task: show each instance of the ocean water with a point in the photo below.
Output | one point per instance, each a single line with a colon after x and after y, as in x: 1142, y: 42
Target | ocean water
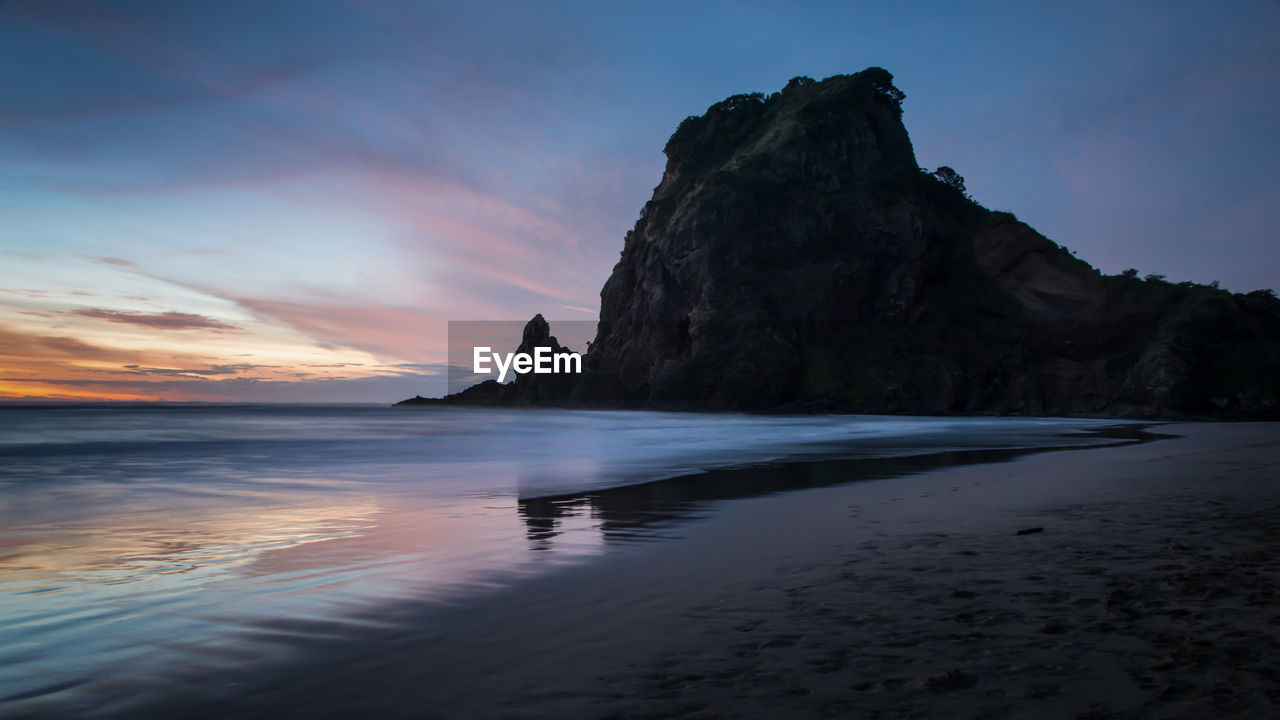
x: 162, y: 537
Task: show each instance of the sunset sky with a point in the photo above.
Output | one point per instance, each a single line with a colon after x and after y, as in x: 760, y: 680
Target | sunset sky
x: 287, y: 200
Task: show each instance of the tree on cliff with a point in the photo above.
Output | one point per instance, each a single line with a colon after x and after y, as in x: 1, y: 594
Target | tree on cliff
x: 882, y: 80
x: 949, y: 177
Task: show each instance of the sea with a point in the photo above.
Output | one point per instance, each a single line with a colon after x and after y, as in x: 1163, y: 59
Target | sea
x: 156, y: 537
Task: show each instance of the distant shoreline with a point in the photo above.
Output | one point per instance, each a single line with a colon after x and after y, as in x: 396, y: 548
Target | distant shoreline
x: 433, y: 403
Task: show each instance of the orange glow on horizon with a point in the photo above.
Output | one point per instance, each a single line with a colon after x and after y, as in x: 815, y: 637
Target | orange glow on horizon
x: 160, y: 365
x: 53, y: 391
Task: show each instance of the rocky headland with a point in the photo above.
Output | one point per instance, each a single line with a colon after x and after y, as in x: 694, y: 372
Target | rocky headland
x: 795, y: 257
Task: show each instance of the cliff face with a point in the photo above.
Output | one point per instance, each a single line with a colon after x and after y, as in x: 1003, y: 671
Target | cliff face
x: 794, y: 254
x: 796, y: 257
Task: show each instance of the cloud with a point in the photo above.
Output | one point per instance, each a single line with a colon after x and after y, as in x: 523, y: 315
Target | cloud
x: 104, y: 260
x: 389, y: 332
x: 194, y: 372
x: 154, y: 60
x: 159, y: 321
x: 20, y: 346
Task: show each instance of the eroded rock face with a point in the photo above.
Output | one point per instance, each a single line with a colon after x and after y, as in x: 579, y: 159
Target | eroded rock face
x: 795, y: 257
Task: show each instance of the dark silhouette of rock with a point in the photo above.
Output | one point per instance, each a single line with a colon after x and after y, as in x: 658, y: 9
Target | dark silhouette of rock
x: 526, y: 389
x: 796, y: 257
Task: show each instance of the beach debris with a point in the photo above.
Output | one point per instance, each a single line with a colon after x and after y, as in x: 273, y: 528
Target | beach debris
x: 1029, y: 531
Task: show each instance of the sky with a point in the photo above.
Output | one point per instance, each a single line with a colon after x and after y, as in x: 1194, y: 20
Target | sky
x: 288, y: 200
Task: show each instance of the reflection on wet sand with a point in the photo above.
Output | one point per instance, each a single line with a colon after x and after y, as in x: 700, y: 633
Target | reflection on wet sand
x: 187, y: 541
x: 641, y: 512
x: 130, y: 548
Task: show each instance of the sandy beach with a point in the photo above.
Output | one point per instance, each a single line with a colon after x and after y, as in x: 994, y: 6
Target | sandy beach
x: 1151, y: 592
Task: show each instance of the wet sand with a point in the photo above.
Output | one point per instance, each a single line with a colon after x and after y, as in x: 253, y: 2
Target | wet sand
x: 1153, y: 591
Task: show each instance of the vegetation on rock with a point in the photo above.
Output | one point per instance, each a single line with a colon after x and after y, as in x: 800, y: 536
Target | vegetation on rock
x: 796, y: 257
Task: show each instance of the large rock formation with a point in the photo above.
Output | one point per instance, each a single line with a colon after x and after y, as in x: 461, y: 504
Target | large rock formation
x: 796, y: 257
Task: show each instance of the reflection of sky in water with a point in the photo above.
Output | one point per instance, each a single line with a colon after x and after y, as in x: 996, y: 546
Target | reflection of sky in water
x: 138, y: 547
x: 166, y: 585
x: 187, y: 536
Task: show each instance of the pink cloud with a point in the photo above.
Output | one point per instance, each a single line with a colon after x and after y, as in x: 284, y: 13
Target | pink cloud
x: 391, y: 332
x: 158, y: 321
